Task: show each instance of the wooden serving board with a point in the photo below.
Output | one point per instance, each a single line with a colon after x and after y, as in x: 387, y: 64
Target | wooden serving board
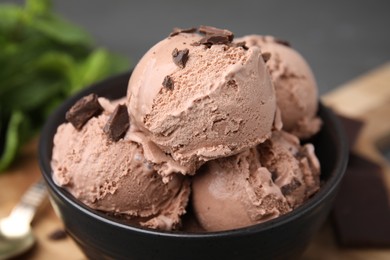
x: 366, y: 98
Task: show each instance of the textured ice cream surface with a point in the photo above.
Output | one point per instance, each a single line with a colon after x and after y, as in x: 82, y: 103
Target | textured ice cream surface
x: 234, y: 192
x: 114, y: 177
x: 220, y: 103
x: 294, y: 167
x: 256, y: 185
x: 295, y: 85
x: 199, y: 109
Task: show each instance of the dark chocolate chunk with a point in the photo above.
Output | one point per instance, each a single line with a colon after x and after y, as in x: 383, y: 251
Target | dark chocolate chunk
x: 289, y: 188
x: 361, y: 212
x: 209, y: 40
x: 84, y: 109
x: 58, y: 234
x: 209, y: 30
x: 168, y: 82
x: 239, y: 44
x: 180, y: 58
x: 176, y: 31
x: 266, y: 56
x: 283, y: 42
x: 195, y: 44
x: 118, y: 123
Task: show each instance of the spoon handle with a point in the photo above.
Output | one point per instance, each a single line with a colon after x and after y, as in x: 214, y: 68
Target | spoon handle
x: 29, y: 203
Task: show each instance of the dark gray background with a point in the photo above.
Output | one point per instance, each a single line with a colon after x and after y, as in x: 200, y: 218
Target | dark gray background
x: 339, y: 39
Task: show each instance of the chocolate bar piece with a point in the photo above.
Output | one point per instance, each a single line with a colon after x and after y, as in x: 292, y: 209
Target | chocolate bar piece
x: 352, y: 127
x: 266, y: 56
x: 58, y: 234
x: 118, y: 123
x: 83, y: 110
x: 209, y: 30
x: 168, y: 82
x: 176, y: 31
x: 180, y: 57
x: 209, y: 40
x: 361, y: 212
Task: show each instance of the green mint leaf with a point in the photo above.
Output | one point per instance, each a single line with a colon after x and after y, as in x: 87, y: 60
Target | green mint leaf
x: 12, y: 139
x: 38, y: 7
x: 61, y: 31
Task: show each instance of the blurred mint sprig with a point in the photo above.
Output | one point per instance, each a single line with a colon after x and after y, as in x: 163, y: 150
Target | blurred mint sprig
x: 43, y: 60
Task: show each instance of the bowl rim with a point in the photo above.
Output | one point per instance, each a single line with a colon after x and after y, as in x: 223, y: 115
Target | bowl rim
x: 326, y: 189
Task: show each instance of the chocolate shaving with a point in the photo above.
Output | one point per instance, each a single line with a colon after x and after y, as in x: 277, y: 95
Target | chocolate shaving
x: 83, y: 110
x: 283, y: 42
x: 240, y: 44
x: 176, y: 31
x: 215, y: 36
x: 195, y: 44
x: 209, y: 30
x: 118, y: 123
x: 266, y: 56
x: 209, y: 40
x: 168, y: 82
x: 180, y: 58
x: 58, y: 234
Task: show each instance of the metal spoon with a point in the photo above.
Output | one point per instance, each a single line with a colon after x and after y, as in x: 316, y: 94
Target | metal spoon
x: 16, y: 236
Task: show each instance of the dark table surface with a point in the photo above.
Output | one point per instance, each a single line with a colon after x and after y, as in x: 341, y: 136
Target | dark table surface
x: 340, y: 39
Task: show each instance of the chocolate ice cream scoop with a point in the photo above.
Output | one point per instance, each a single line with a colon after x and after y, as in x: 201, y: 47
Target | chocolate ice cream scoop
x: 217, y: 101
x: 112, y: 175
x: 295, y: 168
x: 256, y: 185
x: 234, y: 192
x: 295, y: 85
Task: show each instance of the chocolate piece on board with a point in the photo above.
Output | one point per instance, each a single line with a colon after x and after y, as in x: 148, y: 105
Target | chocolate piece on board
x: 352, y: 127
x: 361, y: 212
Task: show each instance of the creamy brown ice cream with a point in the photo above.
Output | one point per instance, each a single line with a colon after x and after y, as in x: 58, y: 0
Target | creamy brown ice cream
x: 295, y: 85
x: 199, y: 108
x: 295, y: 168
x: 235, y: 192
x: 256, y: 185
x: 219, y: 103
x: 114, y: 177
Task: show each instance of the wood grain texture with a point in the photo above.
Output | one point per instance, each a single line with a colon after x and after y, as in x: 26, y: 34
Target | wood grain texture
x: 367, y: 98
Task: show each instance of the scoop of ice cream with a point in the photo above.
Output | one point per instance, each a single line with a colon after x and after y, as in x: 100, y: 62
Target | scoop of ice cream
x: 295, y: 85
x: 255, y: 185
x: 235, y: 192
x: 295, y: 169
x: 114, y: 176
x: 220, y: 102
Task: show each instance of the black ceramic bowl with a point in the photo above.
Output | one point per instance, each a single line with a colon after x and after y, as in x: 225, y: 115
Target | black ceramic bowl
x: 101, y: 237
